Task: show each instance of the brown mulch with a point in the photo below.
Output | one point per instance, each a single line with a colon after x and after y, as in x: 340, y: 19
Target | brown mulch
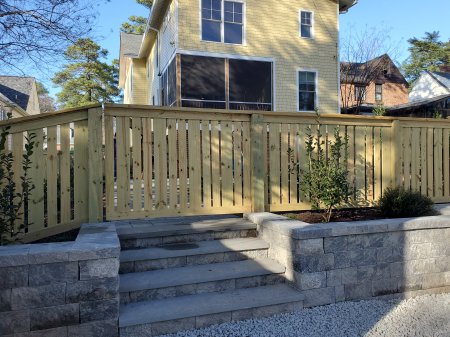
x: 338, y: 216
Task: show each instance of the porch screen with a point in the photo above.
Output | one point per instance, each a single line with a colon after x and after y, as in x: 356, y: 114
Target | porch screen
x: 250, y: 85
x: 202, y: 82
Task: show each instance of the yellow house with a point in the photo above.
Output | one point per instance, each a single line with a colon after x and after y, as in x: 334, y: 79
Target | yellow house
x: 279, y: 55
x: 18, y: 96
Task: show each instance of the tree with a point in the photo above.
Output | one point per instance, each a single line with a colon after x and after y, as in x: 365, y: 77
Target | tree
x: 137, y: 24
x: 86, y: 79
x: 365, y: 56
x: 429, y: 53
x: 46, y: 103
x: 37, y: 31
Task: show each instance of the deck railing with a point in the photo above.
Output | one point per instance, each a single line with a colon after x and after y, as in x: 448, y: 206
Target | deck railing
x: 125, y: 162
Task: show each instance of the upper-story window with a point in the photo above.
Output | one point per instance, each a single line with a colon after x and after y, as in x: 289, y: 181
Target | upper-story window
x: 378, y: 92
x: 223, y: 21
x: 306, y: 24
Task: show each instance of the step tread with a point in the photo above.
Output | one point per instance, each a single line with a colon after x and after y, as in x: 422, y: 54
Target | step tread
x: 198, y: 274
x: 206, y: 304
x: 191, y: 249
x: 180, y: 226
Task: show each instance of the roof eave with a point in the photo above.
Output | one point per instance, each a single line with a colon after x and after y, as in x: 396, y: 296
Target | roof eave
x: 345, y: 5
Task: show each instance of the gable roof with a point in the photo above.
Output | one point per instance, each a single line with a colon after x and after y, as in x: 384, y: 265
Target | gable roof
x: 16, y: 89
x: 442, y: 78
x: 380, y: 69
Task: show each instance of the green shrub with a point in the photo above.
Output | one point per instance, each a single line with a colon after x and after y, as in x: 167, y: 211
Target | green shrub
x: 325, y: 179
x: 13, y: 198
x: 379, y: 110
x: 400, y: 203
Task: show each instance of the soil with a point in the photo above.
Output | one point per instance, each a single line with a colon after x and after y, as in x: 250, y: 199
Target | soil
x: 342, y: 215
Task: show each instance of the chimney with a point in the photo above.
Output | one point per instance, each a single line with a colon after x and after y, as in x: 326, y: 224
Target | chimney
x: 445, y: 68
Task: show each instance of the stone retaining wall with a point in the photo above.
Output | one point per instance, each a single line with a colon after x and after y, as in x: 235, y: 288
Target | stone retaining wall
x: 358, y: 260
x: 62, y: 289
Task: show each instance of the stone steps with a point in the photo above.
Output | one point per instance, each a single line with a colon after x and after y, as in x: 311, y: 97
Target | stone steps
x: 153, y: 318
x: 208, y: 278
x: 156, y: 232
x: 195, y: 253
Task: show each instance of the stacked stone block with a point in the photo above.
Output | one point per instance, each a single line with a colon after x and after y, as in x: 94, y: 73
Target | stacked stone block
x: 61, y: 289
x: 352, y: 261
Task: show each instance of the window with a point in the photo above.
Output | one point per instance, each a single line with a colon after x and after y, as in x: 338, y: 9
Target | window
x: 3, y: 115
x: 250, y: 85
x: 378, y: 92
x: 222, y: 21
x: 169, y: 85
x: 306, y: 24
x: 360, y: 93
x: 203, y: 82
x: 307, y: 90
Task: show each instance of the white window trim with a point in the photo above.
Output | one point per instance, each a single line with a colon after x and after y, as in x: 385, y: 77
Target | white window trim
x: 317, y: 88
x: 313, y: 24
x: 222, y: 24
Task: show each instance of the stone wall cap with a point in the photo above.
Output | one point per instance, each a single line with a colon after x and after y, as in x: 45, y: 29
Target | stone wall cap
x: 302, y: 230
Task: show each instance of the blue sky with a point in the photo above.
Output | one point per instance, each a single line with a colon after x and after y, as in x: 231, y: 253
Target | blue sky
x: 404, y: 18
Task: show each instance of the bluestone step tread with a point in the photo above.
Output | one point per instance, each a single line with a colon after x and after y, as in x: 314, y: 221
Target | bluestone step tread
x: 198, y: 274
x: 149, y: 230
x: 206, y: 304
x: 191, y: 249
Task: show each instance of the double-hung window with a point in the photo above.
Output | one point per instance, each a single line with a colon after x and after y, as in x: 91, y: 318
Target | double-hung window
x: 307, y: 99
x: 378, y: 92
x: 223, y: 21
x: 306, y: 24
x: 360, y: 93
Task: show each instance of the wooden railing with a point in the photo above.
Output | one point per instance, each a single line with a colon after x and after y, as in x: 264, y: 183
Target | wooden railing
x: 124, y: 162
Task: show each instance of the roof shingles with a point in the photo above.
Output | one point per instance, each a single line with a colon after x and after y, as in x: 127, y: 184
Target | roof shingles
x: 17, y: 89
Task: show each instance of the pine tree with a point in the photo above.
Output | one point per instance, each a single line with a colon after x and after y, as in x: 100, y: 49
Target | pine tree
x: 428, y: 53
x: 86, y: 79
x: 137, y: 24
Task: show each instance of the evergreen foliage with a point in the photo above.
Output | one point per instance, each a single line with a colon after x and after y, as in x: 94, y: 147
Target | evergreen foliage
x: 86, y: 79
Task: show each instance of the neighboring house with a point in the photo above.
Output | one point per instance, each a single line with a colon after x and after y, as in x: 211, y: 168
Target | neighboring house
x: 279, y: 55
x: 431, y: 84
x: 18, y: 95
x: 435, y: 107
x: 376, y: 82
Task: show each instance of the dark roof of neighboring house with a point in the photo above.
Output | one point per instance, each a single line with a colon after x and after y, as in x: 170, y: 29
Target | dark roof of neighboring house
x: 16, y: 89
x: 363, y: 73
x: 441, y: 77
x: 130, y: 44
x: 419, y: 103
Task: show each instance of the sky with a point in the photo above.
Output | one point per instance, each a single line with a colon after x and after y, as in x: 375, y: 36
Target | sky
x: 403, y: 18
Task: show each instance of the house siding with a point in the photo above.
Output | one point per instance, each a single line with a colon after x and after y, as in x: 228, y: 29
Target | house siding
x: 272, y: 31
x: 139, y: 90
x: 393, y: 94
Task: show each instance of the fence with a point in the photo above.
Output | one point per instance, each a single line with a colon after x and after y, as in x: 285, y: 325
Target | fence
x: 125, y: 162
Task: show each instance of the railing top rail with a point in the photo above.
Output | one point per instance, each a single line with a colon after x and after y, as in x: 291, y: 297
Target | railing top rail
x: 48, y: 116
x: 249, y: 113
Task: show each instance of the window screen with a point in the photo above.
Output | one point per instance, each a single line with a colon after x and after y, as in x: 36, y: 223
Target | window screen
x: 202, y: 80
x: 307, y: 90
x: 250, y: 85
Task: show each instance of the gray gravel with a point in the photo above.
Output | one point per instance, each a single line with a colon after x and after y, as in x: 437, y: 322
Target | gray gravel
x: 425, y: 316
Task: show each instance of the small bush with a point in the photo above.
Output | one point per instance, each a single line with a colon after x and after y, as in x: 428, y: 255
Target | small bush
x: 400, y: 203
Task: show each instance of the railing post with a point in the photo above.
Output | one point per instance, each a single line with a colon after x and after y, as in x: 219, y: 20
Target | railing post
x: 258, y: 164
x: 396, y: 164
x: 95, y: 164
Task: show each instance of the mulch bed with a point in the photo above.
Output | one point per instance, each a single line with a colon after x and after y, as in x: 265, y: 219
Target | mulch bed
x: 357, y: 214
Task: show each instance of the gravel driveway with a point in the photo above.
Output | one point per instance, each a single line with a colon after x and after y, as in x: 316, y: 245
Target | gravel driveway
x: 425, y: 316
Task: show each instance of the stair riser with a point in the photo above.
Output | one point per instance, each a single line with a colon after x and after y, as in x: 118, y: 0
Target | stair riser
x: 198, y: 322
x: 207, y: 236
x: 183, y: 261
x: 201, y: 288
